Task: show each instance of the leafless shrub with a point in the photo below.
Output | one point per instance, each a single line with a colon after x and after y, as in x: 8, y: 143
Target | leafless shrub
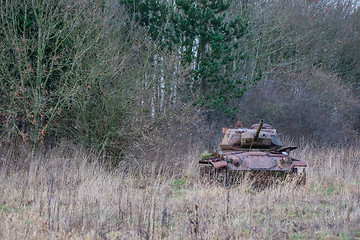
x: 168, y: 139
x: 310, y: 104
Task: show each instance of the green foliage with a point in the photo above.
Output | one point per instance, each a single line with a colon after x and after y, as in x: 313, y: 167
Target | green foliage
x: 178, y: 185
x: 149, y: 13
x: 206, y: 38
x: 89, y: 70
x: 206, y: 154
x: 6, y: 208
x: 208, y: 42
x: 344, y: 236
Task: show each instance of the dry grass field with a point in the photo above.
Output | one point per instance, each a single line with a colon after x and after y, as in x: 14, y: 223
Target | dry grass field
x: 71, y: 196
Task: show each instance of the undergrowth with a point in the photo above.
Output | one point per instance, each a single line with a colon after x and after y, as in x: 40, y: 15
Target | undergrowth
x: 76, y: 197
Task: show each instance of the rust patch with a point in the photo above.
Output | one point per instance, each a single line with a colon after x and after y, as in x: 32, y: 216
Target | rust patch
x: 298, y: 164
x: 219, y: 164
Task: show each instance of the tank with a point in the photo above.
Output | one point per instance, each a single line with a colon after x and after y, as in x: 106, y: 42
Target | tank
x: 255, y: 154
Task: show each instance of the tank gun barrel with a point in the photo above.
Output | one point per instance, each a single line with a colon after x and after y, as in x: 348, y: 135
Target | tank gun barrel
x: 256, y: 136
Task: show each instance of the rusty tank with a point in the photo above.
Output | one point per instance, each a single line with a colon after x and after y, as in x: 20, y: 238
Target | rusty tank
x: 254, y: 154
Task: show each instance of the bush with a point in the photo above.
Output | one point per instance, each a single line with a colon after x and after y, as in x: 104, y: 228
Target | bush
x: 303, y: 104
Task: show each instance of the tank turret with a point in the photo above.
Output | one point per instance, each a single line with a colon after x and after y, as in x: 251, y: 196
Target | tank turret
x: 258, y: 136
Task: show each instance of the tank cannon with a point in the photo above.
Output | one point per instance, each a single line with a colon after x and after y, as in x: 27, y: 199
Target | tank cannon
x: 256, y: 136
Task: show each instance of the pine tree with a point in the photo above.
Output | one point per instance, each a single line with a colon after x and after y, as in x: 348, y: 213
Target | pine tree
x: 209, y: 40
x: 151, y: 14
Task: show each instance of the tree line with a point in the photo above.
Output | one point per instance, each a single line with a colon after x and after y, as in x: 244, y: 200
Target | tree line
x: 143, y: 75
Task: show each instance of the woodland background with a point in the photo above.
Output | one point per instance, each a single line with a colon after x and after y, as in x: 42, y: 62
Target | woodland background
x: 107, y: 105
x: 135, y: 78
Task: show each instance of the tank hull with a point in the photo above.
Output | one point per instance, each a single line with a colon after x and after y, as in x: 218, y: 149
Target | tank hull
x: 255, y: 166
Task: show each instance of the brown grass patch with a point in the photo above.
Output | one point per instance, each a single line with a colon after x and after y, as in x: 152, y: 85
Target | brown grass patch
x: 78, y: 198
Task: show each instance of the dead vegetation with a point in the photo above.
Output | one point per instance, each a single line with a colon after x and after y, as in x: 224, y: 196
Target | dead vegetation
x: 72, y: 196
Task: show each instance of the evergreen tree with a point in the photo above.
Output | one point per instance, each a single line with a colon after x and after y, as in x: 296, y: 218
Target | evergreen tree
x: 208, y: 40
x: 149, y: 13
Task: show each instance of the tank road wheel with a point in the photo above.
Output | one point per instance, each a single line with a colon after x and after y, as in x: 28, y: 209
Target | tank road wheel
x: 222, y: 177
x: 299, y: 176
x: 207, y: 174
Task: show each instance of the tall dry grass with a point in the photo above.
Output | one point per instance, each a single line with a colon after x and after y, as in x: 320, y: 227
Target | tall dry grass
x: 73, y: 196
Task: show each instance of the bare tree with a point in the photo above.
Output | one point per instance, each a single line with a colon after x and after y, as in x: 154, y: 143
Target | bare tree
x: 54, y: 52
